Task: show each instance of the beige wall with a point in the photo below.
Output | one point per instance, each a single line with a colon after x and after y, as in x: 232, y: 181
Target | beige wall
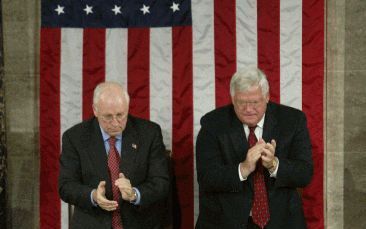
x: 345, y: 112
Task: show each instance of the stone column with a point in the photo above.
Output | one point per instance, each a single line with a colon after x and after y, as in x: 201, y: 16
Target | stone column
x: 345, y: 114
x: 2, y: 133
x: 355, y: 115
x: 21, y: 26
x: 334, y: 114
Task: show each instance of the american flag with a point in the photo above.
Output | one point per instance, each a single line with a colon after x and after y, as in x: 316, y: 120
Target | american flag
x: 176, y: 58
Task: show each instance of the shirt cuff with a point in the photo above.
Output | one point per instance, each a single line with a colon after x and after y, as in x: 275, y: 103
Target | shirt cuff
x: 274, y: 173
x: 92, y: 200
x: 138, y: 197
x: 240, y: 176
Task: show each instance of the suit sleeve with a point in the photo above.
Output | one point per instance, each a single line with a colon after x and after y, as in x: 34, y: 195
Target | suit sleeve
x: 213, y: 174
x: 296, y: 168
x: 156, y: 185
x: 71, y: 189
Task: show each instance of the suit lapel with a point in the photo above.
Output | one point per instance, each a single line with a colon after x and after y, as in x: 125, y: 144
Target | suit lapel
x: 270, y: 131
x: 240, y: 142
x: 94, y: 145
x: 130, y: 147
x: 270, y: 123
x: 98, y: 151
x: 238, y: 138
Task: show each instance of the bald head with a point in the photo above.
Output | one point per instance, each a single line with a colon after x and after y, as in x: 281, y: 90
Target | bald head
x: 109, y: 89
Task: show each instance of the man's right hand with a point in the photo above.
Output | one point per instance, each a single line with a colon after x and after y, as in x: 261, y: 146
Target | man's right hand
x: 100, y: 198
x: 253, y: 155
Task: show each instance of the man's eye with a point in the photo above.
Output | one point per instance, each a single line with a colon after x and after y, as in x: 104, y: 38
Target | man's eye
x: 108, y: 117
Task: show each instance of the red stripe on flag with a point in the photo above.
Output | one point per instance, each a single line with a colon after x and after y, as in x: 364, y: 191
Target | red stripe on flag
x: 312, y: 96
x: 49, y: 132
x: 225, y: 48
x: 139, y: 71
x: 183, y: 121
x: 93, y: 66
x: 269, y: 43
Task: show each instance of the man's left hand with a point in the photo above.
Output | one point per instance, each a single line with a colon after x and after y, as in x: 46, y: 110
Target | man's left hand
x: 125, y: 188
x: 268, y: 155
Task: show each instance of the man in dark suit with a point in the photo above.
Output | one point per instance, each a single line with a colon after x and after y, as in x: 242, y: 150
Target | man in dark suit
x: 113, y: 167
x: 251, y: 157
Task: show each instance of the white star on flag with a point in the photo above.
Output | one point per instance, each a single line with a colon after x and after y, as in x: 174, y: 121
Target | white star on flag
x: 117, y: 10
x: 145, y: 9
x: 88, y: 9
x: 175, y: 7
x: 60, y: 9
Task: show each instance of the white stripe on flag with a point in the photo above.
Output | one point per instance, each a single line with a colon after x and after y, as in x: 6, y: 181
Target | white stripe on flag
x: 116, y: 56
x: 291, y: 53
x: 70, y: 90
x: 161, y: 81
x: 203, y: 70
x: 246, y: 33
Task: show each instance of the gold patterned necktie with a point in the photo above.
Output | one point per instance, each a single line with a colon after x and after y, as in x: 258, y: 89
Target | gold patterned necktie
x: 260, y: 208
x: 113, y: 166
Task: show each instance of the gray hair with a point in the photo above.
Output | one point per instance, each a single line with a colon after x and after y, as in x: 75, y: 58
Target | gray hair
x: 100, y: 88
x: 244, y: 79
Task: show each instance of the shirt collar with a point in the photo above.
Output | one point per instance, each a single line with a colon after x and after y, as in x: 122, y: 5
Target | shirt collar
x: 261, y: 122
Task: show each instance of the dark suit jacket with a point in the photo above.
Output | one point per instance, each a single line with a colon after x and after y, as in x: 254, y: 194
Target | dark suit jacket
x: 225, y: 201
x: 83, y: 164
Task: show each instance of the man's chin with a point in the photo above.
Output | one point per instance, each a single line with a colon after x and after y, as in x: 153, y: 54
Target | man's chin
x: 249, y: 121
x: 115, y: 133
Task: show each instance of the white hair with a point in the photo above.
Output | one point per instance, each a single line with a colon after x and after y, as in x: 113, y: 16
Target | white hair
x: 244, y: 79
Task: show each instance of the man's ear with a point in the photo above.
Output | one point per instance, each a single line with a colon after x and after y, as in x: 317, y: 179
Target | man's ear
x: 95, y: 111
x: 267, y: 98
x: 232, y: 98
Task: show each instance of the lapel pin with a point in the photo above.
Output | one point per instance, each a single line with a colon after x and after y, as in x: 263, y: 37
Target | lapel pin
x: 134, y: 146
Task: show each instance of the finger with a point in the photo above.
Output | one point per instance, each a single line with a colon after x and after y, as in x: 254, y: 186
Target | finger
x: 101, y: 188
x: 105, y: 203
x: 109, y: 207
x: 101, y: 184
x: 121, y: 175
x: 109, y: 204
x: 260, y: 141
x: 258, y: 147
x: 122, y: 182
x: 269, y: 148
x: 273, y: 143
x: 268, y: 153
x: 253, y: 154
x: 266, y: 159
x: 255, y: 157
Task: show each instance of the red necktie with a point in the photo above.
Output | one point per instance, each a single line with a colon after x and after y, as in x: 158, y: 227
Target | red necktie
x: 113, y: 165
x: 260, y: 208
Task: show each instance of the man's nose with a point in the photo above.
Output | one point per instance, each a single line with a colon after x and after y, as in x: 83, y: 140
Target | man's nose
x: 248, y: 107
x: 114, y: 121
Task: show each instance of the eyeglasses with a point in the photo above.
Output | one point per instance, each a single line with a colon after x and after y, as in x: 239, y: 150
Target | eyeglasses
x: 110, y: 118
x: 251, y: 104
